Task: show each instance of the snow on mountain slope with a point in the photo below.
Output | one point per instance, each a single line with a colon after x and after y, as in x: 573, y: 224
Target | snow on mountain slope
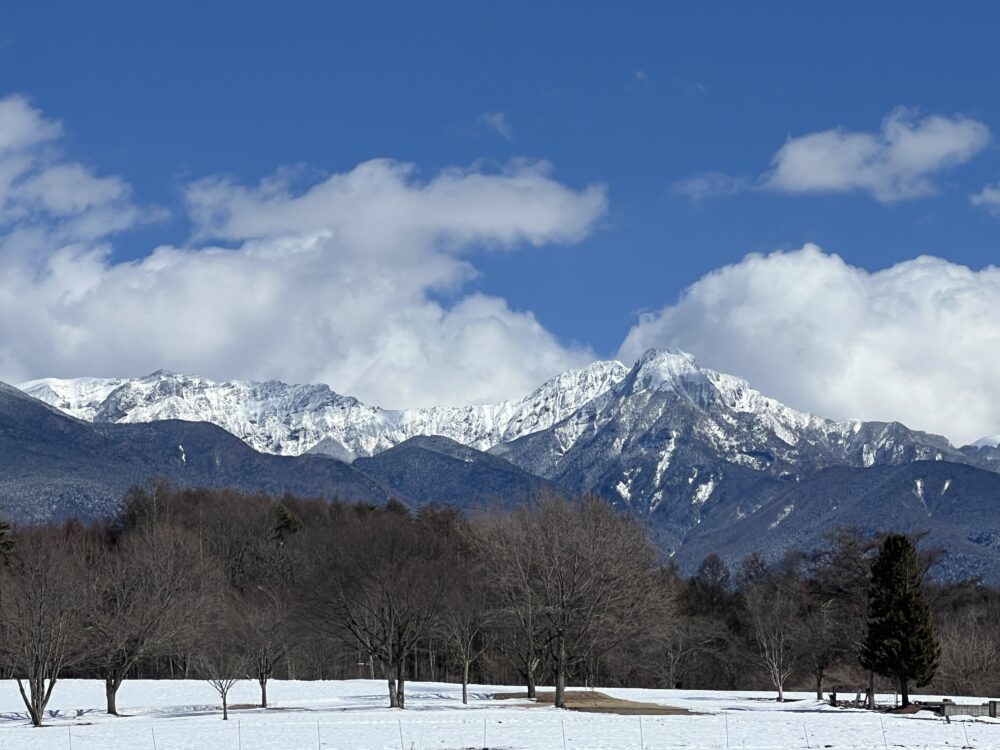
x: 78, y: 397
x: 274, y: 417
x: 682, y: 441
x: 993, y: 441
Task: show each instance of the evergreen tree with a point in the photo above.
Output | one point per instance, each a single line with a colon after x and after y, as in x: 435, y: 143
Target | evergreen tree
x: 286, y: 523
x: 900, y: 642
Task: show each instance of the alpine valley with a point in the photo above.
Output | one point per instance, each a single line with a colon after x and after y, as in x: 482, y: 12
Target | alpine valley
x: 706, y: 461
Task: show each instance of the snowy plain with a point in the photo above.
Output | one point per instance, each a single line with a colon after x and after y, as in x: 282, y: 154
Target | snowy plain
x: 351, y: 715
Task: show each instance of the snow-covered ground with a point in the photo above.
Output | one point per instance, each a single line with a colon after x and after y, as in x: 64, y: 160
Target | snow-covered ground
x: 350, y: 715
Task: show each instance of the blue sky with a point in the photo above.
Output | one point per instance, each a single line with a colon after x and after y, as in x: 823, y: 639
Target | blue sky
x: 639, y: 99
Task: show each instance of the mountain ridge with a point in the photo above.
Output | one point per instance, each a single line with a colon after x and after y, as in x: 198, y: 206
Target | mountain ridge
x: 276, y: 417
x: 702, y: 458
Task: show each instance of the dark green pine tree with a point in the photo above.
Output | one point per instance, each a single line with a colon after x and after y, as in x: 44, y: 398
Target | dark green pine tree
x: 900, y: 642
x: 286, y: 523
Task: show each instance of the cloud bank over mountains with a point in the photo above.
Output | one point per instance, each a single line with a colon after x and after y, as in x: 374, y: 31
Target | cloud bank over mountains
x: 362, y: 281
x: 341, y: 283
x: 917, y: 342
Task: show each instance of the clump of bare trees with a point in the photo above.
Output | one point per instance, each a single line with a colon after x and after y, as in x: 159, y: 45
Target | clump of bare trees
x: 224, y: 586
x: 578, y: 579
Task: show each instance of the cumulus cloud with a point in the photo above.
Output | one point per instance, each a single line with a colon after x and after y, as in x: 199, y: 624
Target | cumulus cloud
x: 358, y: 281
x: 917, y: 342
x: 897, y: 163
x: 22, y: 126
x: 46, y: 199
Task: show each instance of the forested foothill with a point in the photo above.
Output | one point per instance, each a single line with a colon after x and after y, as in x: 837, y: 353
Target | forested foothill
x: 224, y: 586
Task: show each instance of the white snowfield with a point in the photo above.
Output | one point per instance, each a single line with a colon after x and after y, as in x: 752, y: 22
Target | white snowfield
x: 351, y: 715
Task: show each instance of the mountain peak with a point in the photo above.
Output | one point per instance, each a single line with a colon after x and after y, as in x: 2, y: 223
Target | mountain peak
x: 667, y: 369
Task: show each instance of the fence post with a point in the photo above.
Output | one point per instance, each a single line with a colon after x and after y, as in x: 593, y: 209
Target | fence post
x: 642, y: 740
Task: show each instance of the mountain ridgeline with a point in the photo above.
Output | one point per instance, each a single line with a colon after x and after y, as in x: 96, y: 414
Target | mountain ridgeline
x: 709, y: 463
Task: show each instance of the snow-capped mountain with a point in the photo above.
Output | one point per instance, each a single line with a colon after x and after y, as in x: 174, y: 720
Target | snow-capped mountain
x: 628, y: 432
x: 673, y: 437
x: 707, y: 461
x: 274, y: 417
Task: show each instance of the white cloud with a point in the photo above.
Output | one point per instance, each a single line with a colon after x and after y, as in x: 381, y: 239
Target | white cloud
x: 988, y: 198
x: 917, y: 342
x: 46, y: 199
x: 22, y: 126
x: 897, y: 163
x: 499, y: 122
x: 341, y: 283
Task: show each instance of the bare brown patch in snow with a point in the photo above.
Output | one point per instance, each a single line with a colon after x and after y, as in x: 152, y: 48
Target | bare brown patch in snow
x: 589, y: 701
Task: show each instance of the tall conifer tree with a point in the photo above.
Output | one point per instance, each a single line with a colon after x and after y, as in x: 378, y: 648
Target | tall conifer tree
x: 900, y: 642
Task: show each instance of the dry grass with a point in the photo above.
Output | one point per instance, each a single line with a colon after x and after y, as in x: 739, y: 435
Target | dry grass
x: 589, y: 701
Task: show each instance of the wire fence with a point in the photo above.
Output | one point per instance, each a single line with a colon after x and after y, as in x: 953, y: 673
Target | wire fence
x: 726, y: 731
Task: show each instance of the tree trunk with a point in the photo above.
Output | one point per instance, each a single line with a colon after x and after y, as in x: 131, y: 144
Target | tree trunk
x: 781, y: 693
x: 904, y: 693
x: 529, y: 673
x: 225, y: 707
x: 465, y: 682
x: 401, y: 684
x: 819, y: 684
x: 111, y: 685
x: 560, y: 700
x: 393, y: 696
x: 871, y: 690
x: 263, y: 691
x: 32, y: 699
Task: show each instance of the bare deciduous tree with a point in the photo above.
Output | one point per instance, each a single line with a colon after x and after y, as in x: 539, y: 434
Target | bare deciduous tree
x: 509, y: 557
x: 466, y: 618
x: 380, y: 587
x: 261, y: 632
x: 773, y: 617
x: 592, y: 576
x: 41, y: 613
x: 223, y: 674
x: 144, y: 594
x: 970, y: 651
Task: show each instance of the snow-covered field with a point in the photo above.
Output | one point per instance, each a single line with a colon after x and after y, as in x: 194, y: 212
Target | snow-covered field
x: 350, y: 715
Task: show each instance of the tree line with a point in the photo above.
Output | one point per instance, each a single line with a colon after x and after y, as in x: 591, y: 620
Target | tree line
x: 224, y: 586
